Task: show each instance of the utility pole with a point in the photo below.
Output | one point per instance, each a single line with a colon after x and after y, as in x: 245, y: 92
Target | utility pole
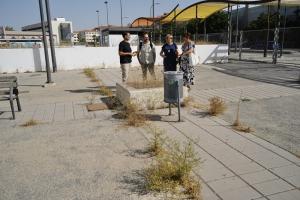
x: 52, y: 48
x: 121, y: 13
x: 153, y: 22
x: 106, y: 12
x: 45, y: 43
x: 99, y: 37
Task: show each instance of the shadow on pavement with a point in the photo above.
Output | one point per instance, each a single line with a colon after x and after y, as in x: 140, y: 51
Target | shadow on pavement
x: 282, y: 75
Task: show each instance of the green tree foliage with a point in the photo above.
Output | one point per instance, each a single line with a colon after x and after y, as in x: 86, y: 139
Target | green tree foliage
x: 9, y: 28
x: 262, y: 22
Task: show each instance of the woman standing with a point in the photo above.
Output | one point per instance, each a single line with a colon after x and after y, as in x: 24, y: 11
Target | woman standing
x: 169, y: 52
x: 185, y: 65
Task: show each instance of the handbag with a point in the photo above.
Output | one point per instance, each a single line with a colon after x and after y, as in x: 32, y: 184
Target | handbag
x: 193, y: 59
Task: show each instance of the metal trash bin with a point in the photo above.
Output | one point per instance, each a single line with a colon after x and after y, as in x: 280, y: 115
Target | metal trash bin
x: 171, y: 79
x: 173, y: 89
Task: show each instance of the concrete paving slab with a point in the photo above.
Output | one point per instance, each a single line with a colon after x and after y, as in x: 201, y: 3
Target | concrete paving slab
x: 273, y: 186
x: 259, y: 177
x: 287, y: 171
x: 289, y: 195
x: 246, y: 193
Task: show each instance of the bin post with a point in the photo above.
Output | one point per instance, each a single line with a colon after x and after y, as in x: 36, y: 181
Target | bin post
x: 170, y: 110
x: 178, y: 100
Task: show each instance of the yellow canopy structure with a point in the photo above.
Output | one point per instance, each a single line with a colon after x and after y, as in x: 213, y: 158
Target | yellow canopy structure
x: 200, y: 10
x: 170, y: 16
x: 142, y: 22
x: 148, y: 21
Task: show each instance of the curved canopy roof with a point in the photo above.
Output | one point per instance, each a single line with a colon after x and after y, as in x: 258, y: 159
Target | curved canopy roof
x: 200, y: 10
x: 142, y: 22
x: 204, y: 9
x: 148, y: 21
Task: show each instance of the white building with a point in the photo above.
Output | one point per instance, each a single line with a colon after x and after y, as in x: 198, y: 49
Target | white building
x: 22, y: 39
x: 112, y: 36
x: 89, y: 35
x: 60, y: 27
x: 75, y: 38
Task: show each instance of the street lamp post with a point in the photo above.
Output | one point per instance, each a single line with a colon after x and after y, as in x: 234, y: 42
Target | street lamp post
x: 53, y: 56
x: 45, y: 42
x: 153, y: 25
x: 153, y: 21
x: 106, y: 12
x: 121, y: 13
x: 97, y: 11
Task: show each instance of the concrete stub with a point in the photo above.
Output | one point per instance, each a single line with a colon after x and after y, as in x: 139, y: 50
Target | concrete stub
x: 145, y: 99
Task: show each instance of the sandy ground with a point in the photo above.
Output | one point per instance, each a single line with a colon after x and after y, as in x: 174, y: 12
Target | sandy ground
x: 86, y: 156
x: 275, y: 120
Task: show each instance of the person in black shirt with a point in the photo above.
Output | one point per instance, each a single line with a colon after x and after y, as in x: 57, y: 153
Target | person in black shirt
x: 125, y: 54
x: 169, y: 52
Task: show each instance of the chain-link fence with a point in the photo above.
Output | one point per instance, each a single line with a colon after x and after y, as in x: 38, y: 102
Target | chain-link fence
x: 258, y: 45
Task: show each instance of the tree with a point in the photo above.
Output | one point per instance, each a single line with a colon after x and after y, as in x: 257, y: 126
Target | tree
x: 214, y: 24
x: 262, y: 22
x: 9, y: 28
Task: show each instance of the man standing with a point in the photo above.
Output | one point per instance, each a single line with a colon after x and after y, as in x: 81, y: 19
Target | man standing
x: 147, y: 56
x: 125, y: 54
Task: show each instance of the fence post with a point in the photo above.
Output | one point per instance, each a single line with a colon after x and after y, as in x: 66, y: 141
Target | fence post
x: 241, y: 45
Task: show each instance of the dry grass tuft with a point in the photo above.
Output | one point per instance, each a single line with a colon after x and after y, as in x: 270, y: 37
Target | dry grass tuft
x: 132, y: 115
x: 216, y: 106
x: 189, y: 102
x: 105, y: 91
x: 172, y: 172
x: 91, y: 74
x: 237, y: 125
x: 141, y: 84
x: 156, y: 143
x: 241, y: 127
x: 29, y: 123
x: 136, y: 81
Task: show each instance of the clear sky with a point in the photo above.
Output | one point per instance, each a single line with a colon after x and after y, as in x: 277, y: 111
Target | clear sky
x: 82, y: 13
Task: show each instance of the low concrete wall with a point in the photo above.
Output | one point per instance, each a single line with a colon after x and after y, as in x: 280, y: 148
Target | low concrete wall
x: 145, y: 99
x: 22, y: 60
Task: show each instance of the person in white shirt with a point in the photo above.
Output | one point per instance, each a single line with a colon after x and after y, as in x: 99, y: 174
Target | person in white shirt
x: 147, y: 56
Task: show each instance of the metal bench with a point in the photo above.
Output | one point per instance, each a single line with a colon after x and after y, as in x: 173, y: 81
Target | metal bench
x: 9, y: 92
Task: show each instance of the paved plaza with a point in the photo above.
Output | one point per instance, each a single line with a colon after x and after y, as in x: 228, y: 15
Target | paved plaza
x: 76, y: 154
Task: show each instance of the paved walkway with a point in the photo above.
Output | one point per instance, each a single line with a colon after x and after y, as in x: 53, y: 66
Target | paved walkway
x: 234, y: 165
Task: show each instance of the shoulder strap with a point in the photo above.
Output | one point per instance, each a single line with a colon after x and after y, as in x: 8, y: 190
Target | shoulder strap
x: 151, y: 44
x: 140, y: 46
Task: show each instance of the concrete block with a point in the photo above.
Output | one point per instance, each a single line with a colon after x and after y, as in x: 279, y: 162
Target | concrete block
x: 145, y: 99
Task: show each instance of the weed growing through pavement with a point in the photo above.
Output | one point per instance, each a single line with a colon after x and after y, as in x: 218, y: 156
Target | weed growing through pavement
x: 171, y: 171
x: 91, y: 74
x: 29, y: 123
x: 105, y: 91
x: 237, y: 125
x: 156, y: 143
x: 189, y: 102
x: 216, y: 106
x: 131, y: 114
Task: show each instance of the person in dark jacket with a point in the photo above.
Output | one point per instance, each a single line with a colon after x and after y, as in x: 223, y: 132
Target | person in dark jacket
x: 125, y: 54
x: 169, y: 52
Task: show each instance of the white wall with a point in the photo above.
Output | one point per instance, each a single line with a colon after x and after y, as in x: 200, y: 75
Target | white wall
x: 22, y: 60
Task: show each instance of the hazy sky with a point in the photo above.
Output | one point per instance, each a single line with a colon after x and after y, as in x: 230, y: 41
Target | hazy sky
x: 82, y: 13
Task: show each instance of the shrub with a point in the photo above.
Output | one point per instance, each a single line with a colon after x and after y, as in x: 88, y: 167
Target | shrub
x: 172, y: 172
x: 216, y: 106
